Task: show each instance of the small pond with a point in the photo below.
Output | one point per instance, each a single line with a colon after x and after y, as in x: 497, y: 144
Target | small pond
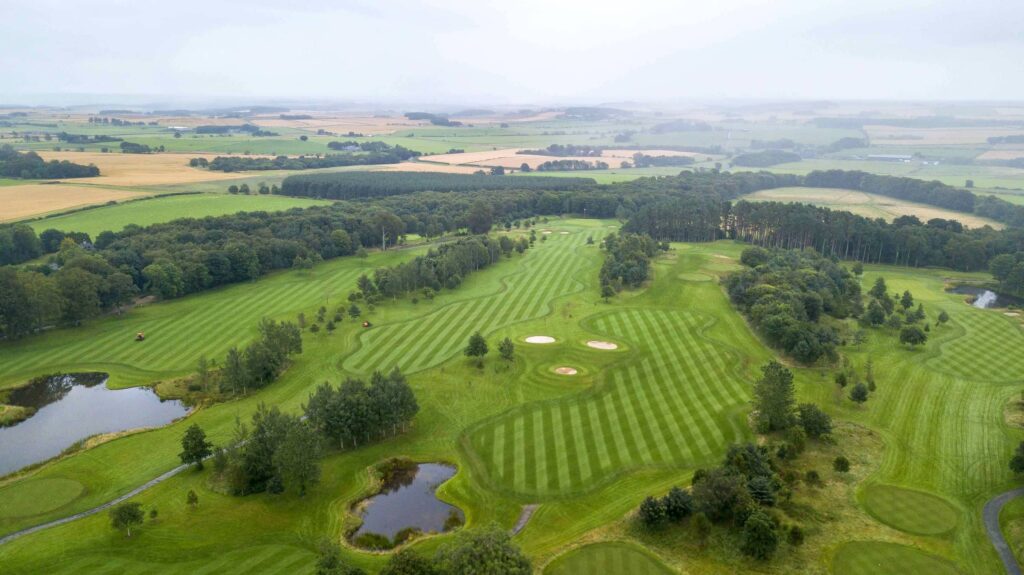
x: 408, y: 501
x: 986, y: 298
x: 72, y: 407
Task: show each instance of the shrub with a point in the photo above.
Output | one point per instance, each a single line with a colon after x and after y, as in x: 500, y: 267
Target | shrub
x: 841, y: 464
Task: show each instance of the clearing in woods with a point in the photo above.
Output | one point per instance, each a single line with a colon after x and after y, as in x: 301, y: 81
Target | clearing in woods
x: 867, y: 205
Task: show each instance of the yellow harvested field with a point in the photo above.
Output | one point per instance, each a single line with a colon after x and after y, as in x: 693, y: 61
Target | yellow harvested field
x: 141, y: 169
x: 868, y: 205
x: 510, y: 158
x: 423, y: 167
x: 27, y: 200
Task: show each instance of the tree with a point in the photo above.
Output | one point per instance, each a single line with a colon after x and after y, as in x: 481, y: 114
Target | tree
x: 859, y: 393
x: 125, y: 515
x: 773, y: 398
x: 507, y: 349
x: 354, y: 311
x: 409, y: 562
x: 480, y: 218
x: 498, y: 171
x: 607, y: 291
x: 195, y: 447
x: 477, y: 347
x: 652, y: 512
x: 815, y: 422
x: 153, y: 514
x: 869, y: 374
x: 329, y: 561
x: 913, y: 335
x: 943, y: 317
x: 907, y: 301
x: 760, y: 536
x: 894, y: 322
x: 297, y: 458
x: 858, y: 269
x: 701, y: 527
x: 678, y: 504
x: 879, y: 290
x: 719, y: 494
x: 192, y: 500
x: 484, y: 551
x: 841, y: 464
x: 1017, y: 461
x: 875, y: 315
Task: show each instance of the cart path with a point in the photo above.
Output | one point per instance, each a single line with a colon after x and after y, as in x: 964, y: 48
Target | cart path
x: 990, y: 515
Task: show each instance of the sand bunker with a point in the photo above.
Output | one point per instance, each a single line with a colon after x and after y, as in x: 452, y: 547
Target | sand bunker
x: 540, y: 339
x: 546, y: 232
x: 564, y: 233
x: 1011, y: 313
x: 565, y: 371
x: 602, y: 344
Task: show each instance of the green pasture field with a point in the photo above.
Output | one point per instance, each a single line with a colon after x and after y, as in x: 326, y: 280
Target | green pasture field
x: 614, y: 558
x: 588, y: 448
x: 164, y: 209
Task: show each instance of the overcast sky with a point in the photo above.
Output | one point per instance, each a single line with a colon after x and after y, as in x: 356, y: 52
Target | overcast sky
x: 532, y: 51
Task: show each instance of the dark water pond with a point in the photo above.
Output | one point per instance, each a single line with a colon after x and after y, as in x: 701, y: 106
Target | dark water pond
x: 985, y: 298
x: 408, y: 500
x: 72, y: 407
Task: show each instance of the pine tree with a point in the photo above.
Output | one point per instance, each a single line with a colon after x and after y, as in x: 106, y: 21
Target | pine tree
x: 477, y: 347
x: 774, y: 398
x: 507, y: 349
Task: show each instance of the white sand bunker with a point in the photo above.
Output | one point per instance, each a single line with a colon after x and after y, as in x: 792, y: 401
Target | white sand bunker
x: 546, y: 232
x: 602, y: 344
x: 1011, y: 313
x: 723, y: 257
x: 540, y: 339
x: 565, y: 370
x: 564, y: 233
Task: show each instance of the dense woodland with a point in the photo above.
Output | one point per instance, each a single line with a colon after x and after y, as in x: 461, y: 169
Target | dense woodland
x: 30, y: 166
x: 787, y: 294
x: 765, y: 158
x: 627, y: 263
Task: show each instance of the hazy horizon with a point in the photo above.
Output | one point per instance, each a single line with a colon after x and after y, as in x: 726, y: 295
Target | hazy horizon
x: 532, y: 52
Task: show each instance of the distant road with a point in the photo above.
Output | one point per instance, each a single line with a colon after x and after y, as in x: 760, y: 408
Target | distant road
x: 991, y: 517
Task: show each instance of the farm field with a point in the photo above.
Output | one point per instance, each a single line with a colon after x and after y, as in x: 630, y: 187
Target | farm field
x: 21, y: 201
x: 867, y: 205
x: 163, y: 209
x: 132, y: 170
x: 985, y: 177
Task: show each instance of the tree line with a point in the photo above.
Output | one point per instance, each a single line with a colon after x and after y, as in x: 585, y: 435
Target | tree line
x: 351, y: 185
x: 241, y: 163
x: 566, y: 150
x: 262, y: 361
x: 30, y: 166
x: 446, y: 266
x: 765, y: 158
x: 568, y: 165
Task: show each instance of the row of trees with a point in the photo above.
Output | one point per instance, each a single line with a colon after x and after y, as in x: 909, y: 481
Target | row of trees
x: 786, y: 293
x: 30, y: 166
x: 351, y: 185
x: 571, y: 165
x: 581, y: 150
x: 241, y: 163
x: 765, y: 158
x: 444, y: 266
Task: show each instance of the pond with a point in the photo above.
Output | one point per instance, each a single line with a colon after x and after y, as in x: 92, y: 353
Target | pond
x: 407, y: 503
x: 72, y: 407
x: 986, y: 298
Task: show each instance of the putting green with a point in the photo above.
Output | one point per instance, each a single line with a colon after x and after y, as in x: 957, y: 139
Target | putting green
x: 878, y: 558
x: 613, y: 558
x: 909, y: 510
x: 38, y: 496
